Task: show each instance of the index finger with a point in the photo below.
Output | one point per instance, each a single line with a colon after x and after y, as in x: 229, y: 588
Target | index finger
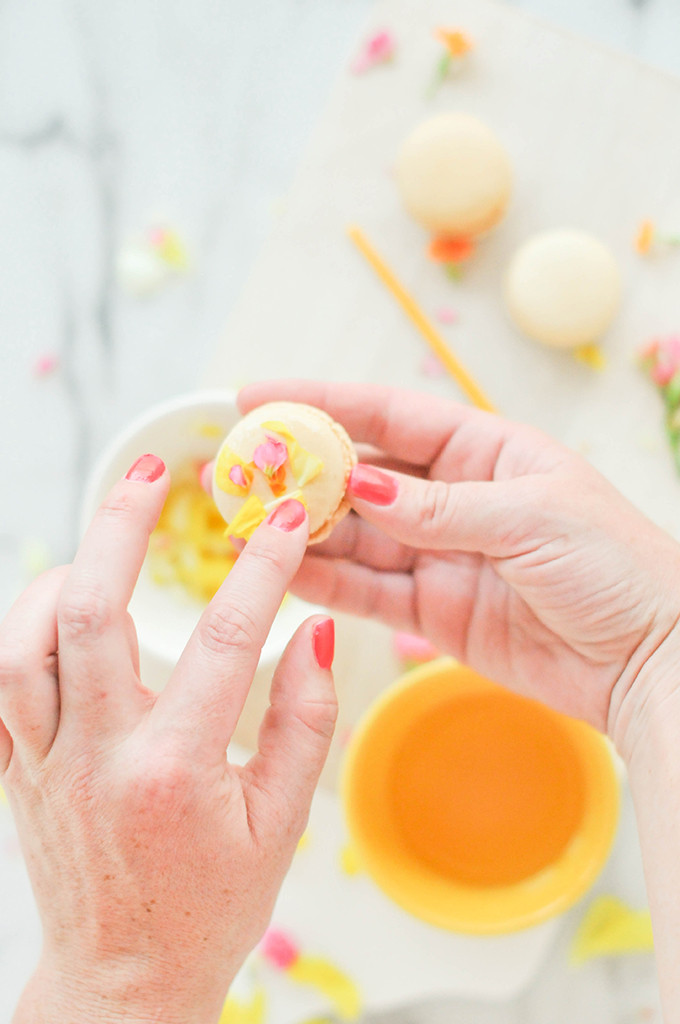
x: 410, y: 425
x: 206, y: 693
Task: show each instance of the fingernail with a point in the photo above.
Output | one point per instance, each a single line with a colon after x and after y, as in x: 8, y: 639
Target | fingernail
x: 371, y: 484
x: 287, y: 516
x: 323, y: 642
x: 146, y: 469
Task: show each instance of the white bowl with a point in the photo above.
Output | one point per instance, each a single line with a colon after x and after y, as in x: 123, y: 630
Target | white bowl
x: 165, y: 616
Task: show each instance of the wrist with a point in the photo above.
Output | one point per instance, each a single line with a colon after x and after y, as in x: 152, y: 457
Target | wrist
x: 645, y: 703
x: 128, y: 992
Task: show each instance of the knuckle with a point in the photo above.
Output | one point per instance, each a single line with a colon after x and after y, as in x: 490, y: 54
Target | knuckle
x: 230, y: 629
x: 117, y: 506
x: 436, y: 510
x: 319, y: 717
x: 84, y: 611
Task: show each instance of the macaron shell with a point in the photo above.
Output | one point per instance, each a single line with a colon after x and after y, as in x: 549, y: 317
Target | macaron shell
x: 454, y: 175
x: 563, y: 288
x: 318, y: 434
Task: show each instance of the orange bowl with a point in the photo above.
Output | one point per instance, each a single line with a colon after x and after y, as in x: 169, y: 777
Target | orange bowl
x: 473, y: 808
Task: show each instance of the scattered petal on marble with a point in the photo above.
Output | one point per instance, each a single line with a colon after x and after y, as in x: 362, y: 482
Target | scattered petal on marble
x: 46, y: 364
x: 378, y: 49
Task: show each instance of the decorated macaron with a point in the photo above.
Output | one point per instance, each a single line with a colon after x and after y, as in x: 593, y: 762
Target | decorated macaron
x: 283, y: 450
x: 455, y: 178
x: 563, y: 288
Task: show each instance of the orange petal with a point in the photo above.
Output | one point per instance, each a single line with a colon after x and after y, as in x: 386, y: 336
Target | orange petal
x: 449, y: 249
x: 455, y: 41
x: 645, y: 237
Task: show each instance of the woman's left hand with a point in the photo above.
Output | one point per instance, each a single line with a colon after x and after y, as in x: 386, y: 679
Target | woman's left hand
x: 155, y: 862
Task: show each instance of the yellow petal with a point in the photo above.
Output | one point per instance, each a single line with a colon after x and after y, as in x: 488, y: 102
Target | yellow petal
x: 237, y: 1011
x: 349, y: 860
x: 3, y: 798
x: 328, y: 979
x: 226, y: 461
x: 611, y: 928
x: 591, y: 355
x: 247, y: 519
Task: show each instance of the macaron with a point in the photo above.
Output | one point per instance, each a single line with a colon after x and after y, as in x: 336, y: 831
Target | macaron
x: 563, y: 288
x: 454, y: 176
x: 283, y: 450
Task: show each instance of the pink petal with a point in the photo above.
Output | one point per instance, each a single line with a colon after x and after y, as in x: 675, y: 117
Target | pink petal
x: 237, y: 476
x: 662, y: 373
x: 446, y: 315
x: 270, y: 456
x: 279, y: 949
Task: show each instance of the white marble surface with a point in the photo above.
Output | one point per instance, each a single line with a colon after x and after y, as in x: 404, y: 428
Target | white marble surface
x: 192, y: 113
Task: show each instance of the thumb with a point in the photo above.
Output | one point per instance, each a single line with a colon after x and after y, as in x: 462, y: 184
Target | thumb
x: 467, y: 516
x: 296, y: 731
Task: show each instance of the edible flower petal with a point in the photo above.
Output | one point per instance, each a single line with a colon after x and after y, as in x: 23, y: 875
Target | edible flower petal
x: 378, y: 49
x: 304, y: 465
x: 229, y: 481
x: 455, y: 41
x: 270, y: 456
x: 451, y: 249
x: 247, y: 519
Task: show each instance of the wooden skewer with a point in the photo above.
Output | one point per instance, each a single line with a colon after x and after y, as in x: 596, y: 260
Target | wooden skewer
x: 432, y: 336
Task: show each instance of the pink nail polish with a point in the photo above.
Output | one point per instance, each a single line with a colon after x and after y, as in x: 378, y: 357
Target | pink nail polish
x: 288, y: 515
x: 372, y: 484
x: 323, y: 642
x: 146, y: 469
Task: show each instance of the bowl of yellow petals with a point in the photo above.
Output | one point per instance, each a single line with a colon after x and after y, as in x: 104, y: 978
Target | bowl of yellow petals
x: 189, y: 553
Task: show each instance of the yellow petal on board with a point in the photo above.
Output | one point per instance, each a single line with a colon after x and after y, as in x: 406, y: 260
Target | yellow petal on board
x: 305, y: 466
x: 328, y: 979
x: 238, y: 1011
x: 611, y: 928
x: 247, y: 519
x: 349, y: 860
x: 591, y: 355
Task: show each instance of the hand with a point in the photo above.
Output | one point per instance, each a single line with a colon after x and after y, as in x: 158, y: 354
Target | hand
x: 501, y: 546
x: 155, y: 863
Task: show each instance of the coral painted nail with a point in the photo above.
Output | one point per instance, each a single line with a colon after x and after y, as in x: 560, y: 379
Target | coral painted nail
x: 323, y: 641
x: 374, y: 485
x: 288, y: 515
x: 146, y: 469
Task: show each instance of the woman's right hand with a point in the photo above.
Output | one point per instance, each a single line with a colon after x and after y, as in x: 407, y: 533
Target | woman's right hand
x: 501, y: 546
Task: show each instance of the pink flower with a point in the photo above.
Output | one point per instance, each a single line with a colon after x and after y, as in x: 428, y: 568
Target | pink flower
x: 270, y: 456
x: 237, y: 476
x: 377, y: 50
x: 279, y: 949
